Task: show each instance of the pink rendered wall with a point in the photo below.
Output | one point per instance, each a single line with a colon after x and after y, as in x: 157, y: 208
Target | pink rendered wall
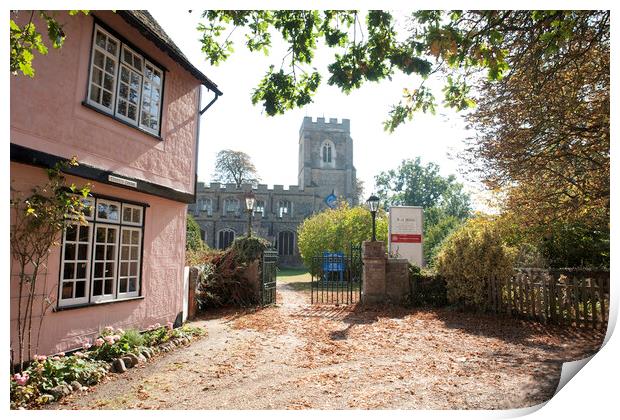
x: 47, y: 112
x: 162, y: 279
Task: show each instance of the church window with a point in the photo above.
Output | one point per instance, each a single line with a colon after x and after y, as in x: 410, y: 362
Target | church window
x: 259, y: 208
x: 286, y: 243
x: 225, y: 238
x: 231, y: 205
x: 284, y: 208
x: 328, y: 153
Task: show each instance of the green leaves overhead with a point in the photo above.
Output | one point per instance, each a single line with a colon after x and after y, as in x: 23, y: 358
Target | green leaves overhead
x: 368, y: 47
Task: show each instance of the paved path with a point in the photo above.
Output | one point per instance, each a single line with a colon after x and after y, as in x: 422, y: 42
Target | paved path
x: 297, y: 356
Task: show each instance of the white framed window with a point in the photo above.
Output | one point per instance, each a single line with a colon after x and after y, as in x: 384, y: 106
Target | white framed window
x: 231, y: 205
x: 101, y: 261
x: 124, y: 83
x: 108, y: 211
x: 103, y: 64
x: 75, y: 266
x: 129, y: 86
x: 284, y: 208
x: 151, y: 97
x: 132, y: 214
x: 105, y: 257
x: 206, y: 204
x: 259, y: 208
x: 129, y: 271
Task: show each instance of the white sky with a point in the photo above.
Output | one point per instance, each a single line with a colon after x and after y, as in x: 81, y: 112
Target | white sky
x: 272, y: 142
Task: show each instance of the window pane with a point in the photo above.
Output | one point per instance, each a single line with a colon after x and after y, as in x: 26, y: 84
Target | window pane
x: 137, y: 62
x: 110, y: 252
x: 97, y: 288
x: 134, y: 252
x: 82, y: 252
x: 81, y: 271
x: 122, y: 107
x: 106, y: 100
x: 131, y: 111
x: 127, y: 214
x: 84, y: 234
x: 133, y: 268
x: 80, y: 289
x: 95, y: 93
x: 136, y: 215
x: 68, y: 270
x: 122, y: 286
x: 133, y: 284
x: 113, y: 213
x: 111, y: 236
x: 125, y: 74
x: 101, y: 234
x: 99, y: 252
x: 123, y: 91
x: 108, y: 82
x: 98, y: 269
x: 112, y: 46
x: 67, y: 290
x: 108, y: 287
x: 98, y: 59
x: 124, y: 268
x: 134, y: 236
x: 109, y: 66
x: 100, y: 39
x: 71, y: 233
x: 69, y: 251
x: 126, y: 236
x: 109, y: 269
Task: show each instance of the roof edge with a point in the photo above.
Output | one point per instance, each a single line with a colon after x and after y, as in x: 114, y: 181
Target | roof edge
x: 164, y: 46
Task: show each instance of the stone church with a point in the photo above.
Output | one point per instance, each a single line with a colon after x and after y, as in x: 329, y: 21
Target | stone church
x: 326, y: 175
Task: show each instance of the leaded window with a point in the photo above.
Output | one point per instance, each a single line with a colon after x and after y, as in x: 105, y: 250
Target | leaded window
x: 124, y: 83
x: 101, y: 260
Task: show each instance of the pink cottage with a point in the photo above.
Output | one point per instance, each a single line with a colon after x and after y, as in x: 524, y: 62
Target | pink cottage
x: 122, y: 97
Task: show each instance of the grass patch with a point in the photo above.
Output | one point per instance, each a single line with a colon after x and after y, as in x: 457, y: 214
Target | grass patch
x: 297, y: 279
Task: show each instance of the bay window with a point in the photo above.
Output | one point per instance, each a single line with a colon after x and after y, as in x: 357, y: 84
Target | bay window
x: 124, y: 83
x: 101, y: 261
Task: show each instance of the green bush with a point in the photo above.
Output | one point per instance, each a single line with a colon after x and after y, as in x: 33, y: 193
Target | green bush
x: 427, y: 288
x: 249, y: 249
x: 193, y: 239
x: 469, y: 258
x: 334, y: 230
x: 435, y: 235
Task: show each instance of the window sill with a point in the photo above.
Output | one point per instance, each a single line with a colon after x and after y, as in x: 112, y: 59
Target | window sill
x: 115, y: 118
x: 90, y: 304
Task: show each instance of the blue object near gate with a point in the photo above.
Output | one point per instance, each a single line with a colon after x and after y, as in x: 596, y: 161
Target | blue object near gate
x: 333, y: 262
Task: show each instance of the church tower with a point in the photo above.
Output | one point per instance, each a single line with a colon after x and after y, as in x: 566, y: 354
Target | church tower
x: 326, y: 158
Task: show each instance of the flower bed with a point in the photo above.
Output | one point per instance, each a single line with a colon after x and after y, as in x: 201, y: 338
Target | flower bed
x: 50, y: 378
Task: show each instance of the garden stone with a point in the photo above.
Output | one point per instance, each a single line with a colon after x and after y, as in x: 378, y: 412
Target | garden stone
x: 47, y: 398
x: 76, y: 386
x: 118, y: 366
x: 60, y: 391
x: 141, y: 358
x: 134, y: 359
x: 145, y: 354
x: 128, y: 361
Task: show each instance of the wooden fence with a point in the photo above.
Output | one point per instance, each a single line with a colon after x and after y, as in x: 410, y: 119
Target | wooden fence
x: 562, y: 296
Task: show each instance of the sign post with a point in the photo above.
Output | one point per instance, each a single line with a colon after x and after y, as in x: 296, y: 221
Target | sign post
x: 405, y: 233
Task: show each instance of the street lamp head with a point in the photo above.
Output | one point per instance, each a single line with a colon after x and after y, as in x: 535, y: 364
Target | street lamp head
x: 373, y: 203
x: 250, y: 200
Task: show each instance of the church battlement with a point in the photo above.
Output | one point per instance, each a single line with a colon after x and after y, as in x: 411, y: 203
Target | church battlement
x: 216, y: 187
x: 320, y: 124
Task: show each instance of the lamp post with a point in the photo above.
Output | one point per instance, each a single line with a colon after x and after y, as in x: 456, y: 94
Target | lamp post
x: 373, y: 205
x: 250, y: 200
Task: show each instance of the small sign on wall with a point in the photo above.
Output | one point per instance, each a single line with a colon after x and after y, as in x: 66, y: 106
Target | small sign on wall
x: 405, y: 233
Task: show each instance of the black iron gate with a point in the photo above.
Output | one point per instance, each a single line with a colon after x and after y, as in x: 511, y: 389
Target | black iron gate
x: 337, y: 278
x: 268, y: 277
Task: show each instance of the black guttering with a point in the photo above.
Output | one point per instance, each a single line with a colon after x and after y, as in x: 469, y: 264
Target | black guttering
x: 130, y: 18
x: 25, y: 155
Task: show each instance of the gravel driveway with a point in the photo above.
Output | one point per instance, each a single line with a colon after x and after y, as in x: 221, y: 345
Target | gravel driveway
x: 297, y: 356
